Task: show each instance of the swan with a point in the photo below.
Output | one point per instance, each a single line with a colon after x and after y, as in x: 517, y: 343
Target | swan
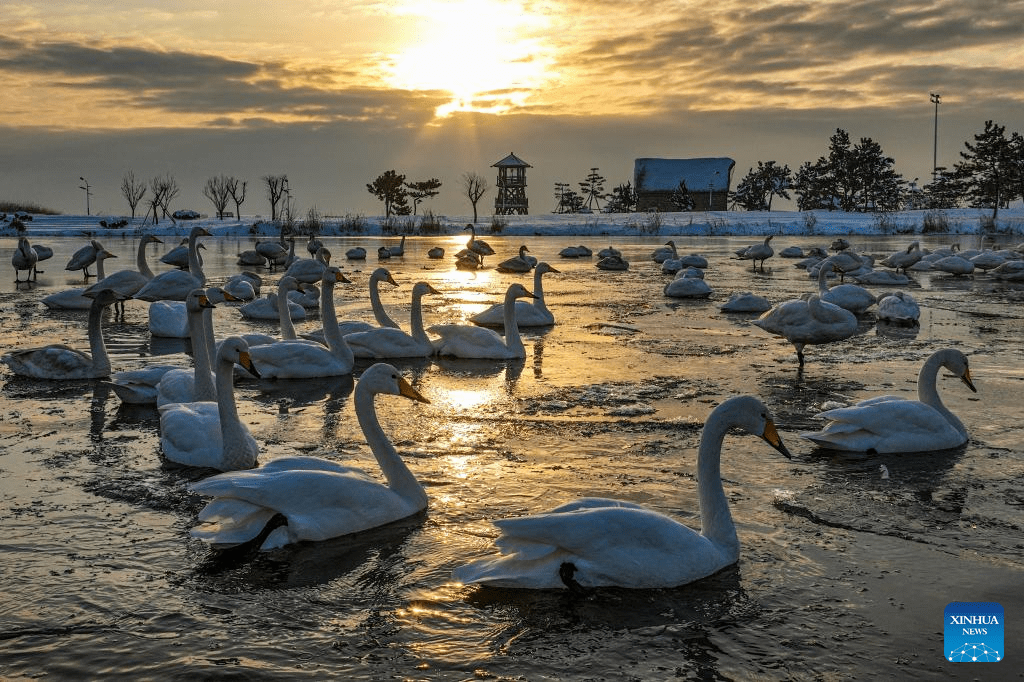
x: 882, y: 278
x: 138, y: 386
x: 517, y: 264
x: 73, y: 299
x: 274, y: 251
x: 745, y: 302
x: 839, y: 244
x: 759, y: 252
x: 599, y: 542
x: 849, y: 296
x: 319, y: 498
x: 175, y: 285
x: 210, y: 434
x: 356, y: 253
x: 24, y: 258
x: 388, y: 342
x: 245, y: 286
x: 398, y: 251
x: 791, y: 252
x: 576, y: 252
x: 309, y: 270
x: 313, y: 244
x: 383, y: 253
x: 270, y: 306
x: 478, y: 246
x: 300, y: 359
x: 845, y: 263
x: 468, y: 341
x: 380, y: 315
x: 528, y: 314
x: 128, y: 282
x: 64, y: 363
x: 251, y: 258
x: 178, y: 256
x: 890, y: 423
x: 187, y: 385
x: 687, y: 287
x: 954, y: 265
x: 664, y: 253
x: 811, y: 321
x: 84, y: 257
x: 613, y: 263
x: 308, y: 296
x: 1010, y: 271
x: 435, y: 253
x: 901, y: 260
x: 468, y: 260
x: 898, y: 308
x: 986, y: 260
x: 608, y: 251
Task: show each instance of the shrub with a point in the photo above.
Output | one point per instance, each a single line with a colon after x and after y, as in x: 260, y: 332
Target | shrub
x: 810, y: 223
x: 885, y: 222
x: 430, y: 224
x: 353, y: 224
x: 498, y: 224
x: 935, y: 221
x: 312, y: 224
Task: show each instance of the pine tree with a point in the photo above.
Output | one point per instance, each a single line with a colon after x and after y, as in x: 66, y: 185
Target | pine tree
x: 681, y: 198
x: 988, y: 169
x: 390, y: 188
x: 424, y: 189
x: 592, y: 190
x: 622, y: 199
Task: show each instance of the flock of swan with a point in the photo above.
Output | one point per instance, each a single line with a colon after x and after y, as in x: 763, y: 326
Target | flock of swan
x: 586, y: 543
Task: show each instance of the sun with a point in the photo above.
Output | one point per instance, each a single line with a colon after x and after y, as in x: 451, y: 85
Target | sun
x: 480, y: 51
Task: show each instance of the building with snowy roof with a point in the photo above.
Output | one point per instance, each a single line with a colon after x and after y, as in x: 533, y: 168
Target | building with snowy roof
x: 707, y: 181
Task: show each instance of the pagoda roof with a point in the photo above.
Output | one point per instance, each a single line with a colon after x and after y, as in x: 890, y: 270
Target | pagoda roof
x: 511, y: 161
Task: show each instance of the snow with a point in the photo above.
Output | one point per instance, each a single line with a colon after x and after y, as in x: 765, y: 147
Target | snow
x: 713, y: 223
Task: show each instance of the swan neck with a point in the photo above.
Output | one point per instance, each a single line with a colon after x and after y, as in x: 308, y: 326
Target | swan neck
x: 98, y: 349
x: 397, y: 474
x: 928, y: 393
x: 195, y: 268
x: 379, y: 313
x: 822, y: 275
x: 284, y: 316
x: 538, y: 291
x: 513, y: 340
x: 140, y: 261
x: 332, y: 332
x: 203, y: 386
x: 100, y: 271
x: 233, y: 434
x: 716, y: 522
x: 416, y: 320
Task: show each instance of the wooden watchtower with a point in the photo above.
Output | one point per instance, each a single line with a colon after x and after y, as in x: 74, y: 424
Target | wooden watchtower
x: 511, y: 186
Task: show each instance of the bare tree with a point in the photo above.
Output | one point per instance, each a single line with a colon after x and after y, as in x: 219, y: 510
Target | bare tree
x: 164, y: 190
x: 475, y: 187
x: 276, y: 185
x: 237, y: 194
x: 133, y: 190
x: 218, y: 190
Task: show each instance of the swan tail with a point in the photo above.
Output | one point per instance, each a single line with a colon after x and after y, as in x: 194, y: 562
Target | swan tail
x: 514, y: 572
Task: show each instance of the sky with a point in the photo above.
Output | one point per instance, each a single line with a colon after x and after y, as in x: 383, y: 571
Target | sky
x: 333, y: 94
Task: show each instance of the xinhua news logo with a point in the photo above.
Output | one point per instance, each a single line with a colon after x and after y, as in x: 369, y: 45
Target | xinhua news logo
x: 973, y: 632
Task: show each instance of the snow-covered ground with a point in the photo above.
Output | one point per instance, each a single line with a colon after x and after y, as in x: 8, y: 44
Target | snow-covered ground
x: 718, y: 223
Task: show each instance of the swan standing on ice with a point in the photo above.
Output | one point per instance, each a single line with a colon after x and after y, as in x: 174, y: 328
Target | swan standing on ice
x: 468, y: 341
x: 388, y: 342
x: 74, y: 299
x: 60, y: 362
x: 84, y: 257
x: 805, y: 322
x: 176, y: 285
x: 595, y: 542
x: 892, y: 423
x: 758, y: 252
x: 128, y: 282
x: 318, y: 498
x: 24, y: 258
x: 478, y: 246
x: 210, y: 434
x: 528, y: 314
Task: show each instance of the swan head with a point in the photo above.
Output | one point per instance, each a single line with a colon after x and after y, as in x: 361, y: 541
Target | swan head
x: 518, y: 291
x: 152, y: 239
x: 199, y: 231
x: 383, y: 275
x: 383, y: 378
x: 198, y: 299
x: 956, y: 362
x: 750, y: 414
x: 544, y: 266
x: 287, y: 283
x: 235, y: 350
x: 333, y: 275
x: 422, y: 289
x: 103, y: 254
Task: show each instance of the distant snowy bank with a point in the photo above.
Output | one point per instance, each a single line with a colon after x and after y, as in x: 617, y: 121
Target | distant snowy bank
x: 715, y: 223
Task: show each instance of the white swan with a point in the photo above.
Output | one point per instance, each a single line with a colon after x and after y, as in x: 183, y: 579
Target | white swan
x: 129, y: 282
x: 245, y: 286
x: 187, y: 385
x: 84, y: 257
x: 309, y: 270
x: 811, y: 321
x: 478, y: 246
x: 435, y: 253
x: 854, y: 298
x: 758, y: 252
x: 468, y: 341
x: 398, y: 251
x: 74, y: 299
x: 175, y: 285
x: 901, y: 260
x: 380, y: 315
x: 276, y: 305
x: 898, y: 307
x: 300, y: 359
x: 64, y: 363
x: 388, y: 342
x: 178, y: 256
x: 745, y: 302
x: 663, y: 253
x: 528, y: 314
x: 892, y: 423
x: 356, y: 253
x: 613, y: 263
x: 518, y: 264
x: 687, y: 287
x: 318, y: 498
x: 313, y: 243
x: 24, y: 258
x: 594, y: 542
x: 210, y: 434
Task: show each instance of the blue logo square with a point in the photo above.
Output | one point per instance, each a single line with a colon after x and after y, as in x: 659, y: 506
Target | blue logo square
x: 973, y: 632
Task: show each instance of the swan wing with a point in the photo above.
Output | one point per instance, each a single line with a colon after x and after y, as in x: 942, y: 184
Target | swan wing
x: 169, y: 286
x: 51, y: 362
x: 386, y: 342
x: 466, y: 341
x: 887, y: 424
x: 296, y: 360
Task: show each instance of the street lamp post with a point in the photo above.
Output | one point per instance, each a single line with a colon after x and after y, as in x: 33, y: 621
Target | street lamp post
x: 936, y: 99
x: 88, y: 192
x: 711, y: 186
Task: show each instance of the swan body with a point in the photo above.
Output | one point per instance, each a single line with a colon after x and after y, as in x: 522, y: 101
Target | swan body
x: 791, y: 252
x: 138, y: 386
x: 186, y: 385
x: 745, y: 302
x: 988, y: 260
x: 177, y: 284
x: 398, y: 251
x: 528, y: 314
x: 300, y: 359
x: 388, y: 342
x: 1010, y: 271
x: 892, y: 424
x: 84, y: 257
x: 687, y: 287
x: 898, y: 307
x: 849, y: 296
x: 518, y: 264
x: 168, y: 319
x: 901, y: 260
x: 759, y: 252
x: 251, y: 257
x: 244, y: 286
x: 882, y: 278
x: 313, y: 244
x: 435, y: 253
x: 611, y: 543
x: 954, y: 265
x: 319, y: 499
x: 129, y: 282
x: 75, y: 299
x: 383, y: 253
x: 576, y: 252
x: 478, y: 246
x: 24, y: 258
x: 268, y: 308
x: 613, y: 263
x: 608, y: 251
x: 356, y: 253
x: 663, y: 253
x: 178, y: 256
x: 811, y: 321
x: 468, y: 341
x: 210, y: 434
x: 309, y: 270
x: 63, y: 363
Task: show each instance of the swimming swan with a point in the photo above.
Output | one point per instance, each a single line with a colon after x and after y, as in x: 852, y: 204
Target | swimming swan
x: 74, y: 299
x: 210, y: 434
x: 891, y: 423
x: 594, y: 542
x: 319, y: 498
x: 528, y: 314
x: 468, y: 341
x: 388, y: 342
x: 128, y: 282
x: 64, y: 363
x: 188, y: 385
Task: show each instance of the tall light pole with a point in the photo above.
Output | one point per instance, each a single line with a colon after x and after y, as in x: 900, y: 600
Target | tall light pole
x: 88, y: 192
x: 936, y: 99
x: 711, y: 186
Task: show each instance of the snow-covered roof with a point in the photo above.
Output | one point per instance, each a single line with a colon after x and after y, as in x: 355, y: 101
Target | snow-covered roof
x: 511, y: 161
x: 652, y: 175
